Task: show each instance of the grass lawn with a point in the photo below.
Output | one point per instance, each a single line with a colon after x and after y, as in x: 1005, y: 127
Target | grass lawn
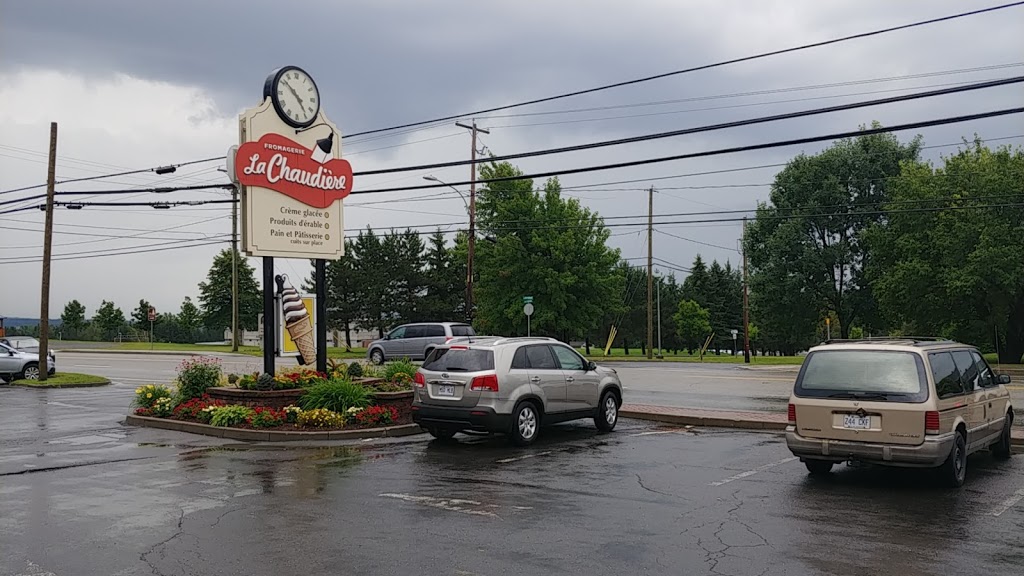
x: 64, y: 380
x: 224, y: 348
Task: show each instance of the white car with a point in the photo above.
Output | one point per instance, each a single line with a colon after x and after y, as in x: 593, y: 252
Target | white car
x: 16, y: 365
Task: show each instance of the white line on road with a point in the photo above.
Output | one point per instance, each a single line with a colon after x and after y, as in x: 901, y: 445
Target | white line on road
x: 1008, y: 503
x: 743, y: 475
x: 90, y: 366
x: 450, y: 504
x: 672, y: 431
x: 523, y: 457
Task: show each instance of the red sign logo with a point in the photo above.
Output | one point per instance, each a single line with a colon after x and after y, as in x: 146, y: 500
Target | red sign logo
x: 312, y: 177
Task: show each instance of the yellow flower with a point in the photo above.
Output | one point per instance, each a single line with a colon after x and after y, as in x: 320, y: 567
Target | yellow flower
x: 150, y: 395
x: 138, y: 390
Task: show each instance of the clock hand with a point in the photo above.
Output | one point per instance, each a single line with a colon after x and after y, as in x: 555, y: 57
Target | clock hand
x: 294, y: 93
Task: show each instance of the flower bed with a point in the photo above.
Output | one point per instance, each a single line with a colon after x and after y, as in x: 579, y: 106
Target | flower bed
x: 252, y: 398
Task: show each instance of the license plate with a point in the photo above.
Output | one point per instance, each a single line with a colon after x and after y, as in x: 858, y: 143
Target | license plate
x: 856, y: 422
x: 445, y: 390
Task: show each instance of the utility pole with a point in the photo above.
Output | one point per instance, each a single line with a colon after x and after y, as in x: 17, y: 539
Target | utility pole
x: 746, y: 300
x: 44, y: 308
x: 471, y: 244
x: 650, y: 272
x: 660, y: 352
x: 234, y: 269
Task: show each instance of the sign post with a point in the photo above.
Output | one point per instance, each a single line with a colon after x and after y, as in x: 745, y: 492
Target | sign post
x: 152, y: 318
x: 528, y: 310
x: 734, y: 333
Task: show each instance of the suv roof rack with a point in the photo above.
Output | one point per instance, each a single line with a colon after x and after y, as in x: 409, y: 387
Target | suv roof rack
x: 913, y: 340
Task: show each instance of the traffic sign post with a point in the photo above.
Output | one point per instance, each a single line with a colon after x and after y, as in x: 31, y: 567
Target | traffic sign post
x: 735, y: 333
x: 152, y: 318
x: 528, y: 310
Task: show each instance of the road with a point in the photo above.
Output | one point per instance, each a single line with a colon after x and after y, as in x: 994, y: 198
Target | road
x: 81, y: 495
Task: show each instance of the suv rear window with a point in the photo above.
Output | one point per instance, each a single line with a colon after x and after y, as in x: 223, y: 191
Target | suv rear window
x: 876, y: 375
x: 459, y: 360
x: 462, y: 330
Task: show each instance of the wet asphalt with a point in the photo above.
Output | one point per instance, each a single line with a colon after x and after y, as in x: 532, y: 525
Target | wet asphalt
x: 82, y: 495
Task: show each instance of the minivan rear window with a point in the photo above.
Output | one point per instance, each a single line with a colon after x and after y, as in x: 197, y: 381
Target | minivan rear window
x: 459, y: 360
x: 875, y: 375
x: 462, y: 330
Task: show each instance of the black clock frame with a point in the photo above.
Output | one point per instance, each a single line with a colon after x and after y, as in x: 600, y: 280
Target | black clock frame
x: 269, y: 90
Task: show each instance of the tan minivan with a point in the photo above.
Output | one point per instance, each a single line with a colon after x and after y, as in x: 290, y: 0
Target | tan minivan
x: 913, y: 402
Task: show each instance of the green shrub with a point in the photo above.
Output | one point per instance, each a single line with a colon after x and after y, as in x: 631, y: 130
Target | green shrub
x: 195, y: 375
x: 229, y: 415
x: 335, y: 395
x: 146, y: 396
x: 355, y: 370
x: 265, y: 382
x: 232, y: 379
x: 394, y: 369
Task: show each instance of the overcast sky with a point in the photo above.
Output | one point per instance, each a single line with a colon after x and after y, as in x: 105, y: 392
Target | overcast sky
x: 140, y: 84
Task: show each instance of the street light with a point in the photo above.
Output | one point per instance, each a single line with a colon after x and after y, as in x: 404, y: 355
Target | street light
x: 469, y: 253
x: 457, y: 191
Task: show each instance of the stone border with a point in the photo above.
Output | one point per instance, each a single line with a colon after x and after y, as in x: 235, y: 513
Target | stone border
x: 270, y: 435
x: 100, y: 381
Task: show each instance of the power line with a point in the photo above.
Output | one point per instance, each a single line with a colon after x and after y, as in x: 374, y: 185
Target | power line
x: 127, y: 253
x: 153, y: 190
x: 140, y: 234
x: 699, y: 68
x: 732, y: 150
x: 100, y: 252
x: 712, y: 127
x: 139, y: 171
x: 702, y: 243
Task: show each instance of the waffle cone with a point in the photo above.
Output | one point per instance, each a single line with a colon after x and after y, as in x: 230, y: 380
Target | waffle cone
x: 301, y: 332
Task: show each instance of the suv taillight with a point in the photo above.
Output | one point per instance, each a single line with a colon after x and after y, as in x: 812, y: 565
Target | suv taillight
x: 419, y: 380
x: 792, y: 413
x: 489, y: 383
x: 931, y: 422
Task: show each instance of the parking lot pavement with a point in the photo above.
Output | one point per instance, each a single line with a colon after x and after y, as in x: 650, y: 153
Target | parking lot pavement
x: 646, y: 499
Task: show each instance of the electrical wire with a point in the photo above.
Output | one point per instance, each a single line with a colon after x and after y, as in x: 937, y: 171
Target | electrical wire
x: 702, y: 243
x: 719, y: 64
x: 126, y: 173
x: 126, y: 253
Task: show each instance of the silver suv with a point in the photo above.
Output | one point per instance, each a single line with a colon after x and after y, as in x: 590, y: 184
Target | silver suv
x: 17, y: 364
x: 415, y: 341
x: 511, y: 385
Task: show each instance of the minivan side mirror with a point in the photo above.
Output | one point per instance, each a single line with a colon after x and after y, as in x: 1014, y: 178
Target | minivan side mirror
x: 1004, y: 378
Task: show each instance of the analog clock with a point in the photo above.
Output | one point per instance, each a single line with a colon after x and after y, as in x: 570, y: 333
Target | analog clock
x: 294, y: 95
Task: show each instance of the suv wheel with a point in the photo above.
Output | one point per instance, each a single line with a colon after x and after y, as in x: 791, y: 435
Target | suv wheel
x: 31, y: 371
x: 442, y: 434
x: 1001, y: 449
x: 525, y: 424
x: 377, y: 356
x: 954, y: 469
x: 607, y: 412
x: 818, y: 467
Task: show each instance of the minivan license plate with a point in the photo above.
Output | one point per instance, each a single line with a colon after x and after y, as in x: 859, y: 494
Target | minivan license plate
x: 445, y: 390
x: 856, y: 422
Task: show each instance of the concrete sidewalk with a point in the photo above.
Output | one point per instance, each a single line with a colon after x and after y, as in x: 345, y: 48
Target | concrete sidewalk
x: 726, y: 418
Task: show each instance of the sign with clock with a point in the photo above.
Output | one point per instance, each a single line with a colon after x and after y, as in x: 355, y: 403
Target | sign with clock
x: 291, y: 173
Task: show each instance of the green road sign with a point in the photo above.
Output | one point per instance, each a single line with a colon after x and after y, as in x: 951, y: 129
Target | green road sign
x: 527, y: 299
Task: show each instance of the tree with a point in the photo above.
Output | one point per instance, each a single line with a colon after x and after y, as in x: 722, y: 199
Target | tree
x: 215, y: 294
x: 73, y: 319
x: 109, y: 320
x: 140, y: 316
x: 957, y: 270
x: 693, y: 324
x: 343, y: 288
x: 189, y: 316
x: 445, y: 281
x: 808, y: 239
x: 544, y: 246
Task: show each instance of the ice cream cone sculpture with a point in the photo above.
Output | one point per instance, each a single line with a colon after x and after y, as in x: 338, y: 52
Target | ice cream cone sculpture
x: 297, y: 321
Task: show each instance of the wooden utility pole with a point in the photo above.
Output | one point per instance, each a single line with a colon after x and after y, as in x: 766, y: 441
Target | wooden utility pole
x: 650, y: 273
x: 44, y: 307
x: 234, y: 269
x: 746, y: 300
x: 471, y: 244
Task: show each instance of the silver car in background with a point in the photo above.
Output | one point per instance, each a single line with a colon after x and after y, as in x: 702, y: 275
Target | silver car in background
x: 16, y: 364
x: 415, y: 341
x: 512, y: 386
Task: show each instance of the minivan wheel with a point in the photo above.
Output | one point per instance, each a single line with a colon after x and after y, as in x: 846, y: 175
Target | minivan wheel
x: 954, y: 469
x: 818, y: 467
x: 31, y: 371
x: 377, y: 356
x: 1001, y: 449
x: 525, y: 424
x: 607, y: 412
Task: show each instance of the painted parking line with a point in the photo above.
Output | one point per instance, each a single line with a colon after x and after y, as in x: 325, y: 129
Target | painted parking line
x: 1008, y: 503
x: 684, y: 430
x: 523, y: 457
x: 462, y: 506
x: 749, y: 473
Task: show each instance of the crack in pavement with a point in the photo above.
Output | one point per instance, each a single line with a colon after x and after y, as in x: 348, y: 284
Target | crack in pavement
x: 645, y: 487
x: 144, y: 556
x: 715, y: 554
x: 76, y: 465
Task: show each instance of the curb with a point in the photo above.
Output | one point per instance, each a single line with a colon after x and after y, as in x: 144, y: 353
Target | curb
x: 104, y: 382
x: 270, y: 435
x: 709, y: 421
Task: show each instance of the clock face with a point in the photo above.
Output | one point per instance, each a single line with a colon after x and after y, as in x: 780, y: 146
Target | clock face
x: 294, y: 95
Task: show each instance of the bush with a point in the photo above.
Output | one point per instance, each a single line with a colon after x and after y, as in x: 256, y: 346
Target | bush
x: 232, y: 379
x: 336, y: 370
x: 376, y: 415
x: 291, y: 414
x: 335, y: 395
x: 146, y: 396
x: 228, y: 415
x: 191, y: 409
x: 321, y: 418
x: 265, y: 382
x: 195, y: 375
x: 162, y: 408
x: 355, y: 370
x: 265, y: 417
x: 399, y: 370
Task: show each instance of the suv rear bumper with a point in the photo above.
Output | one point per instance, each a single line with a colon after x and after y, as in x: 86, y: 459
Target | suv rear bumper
x: 477, y: 418
x: 932, y: 452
